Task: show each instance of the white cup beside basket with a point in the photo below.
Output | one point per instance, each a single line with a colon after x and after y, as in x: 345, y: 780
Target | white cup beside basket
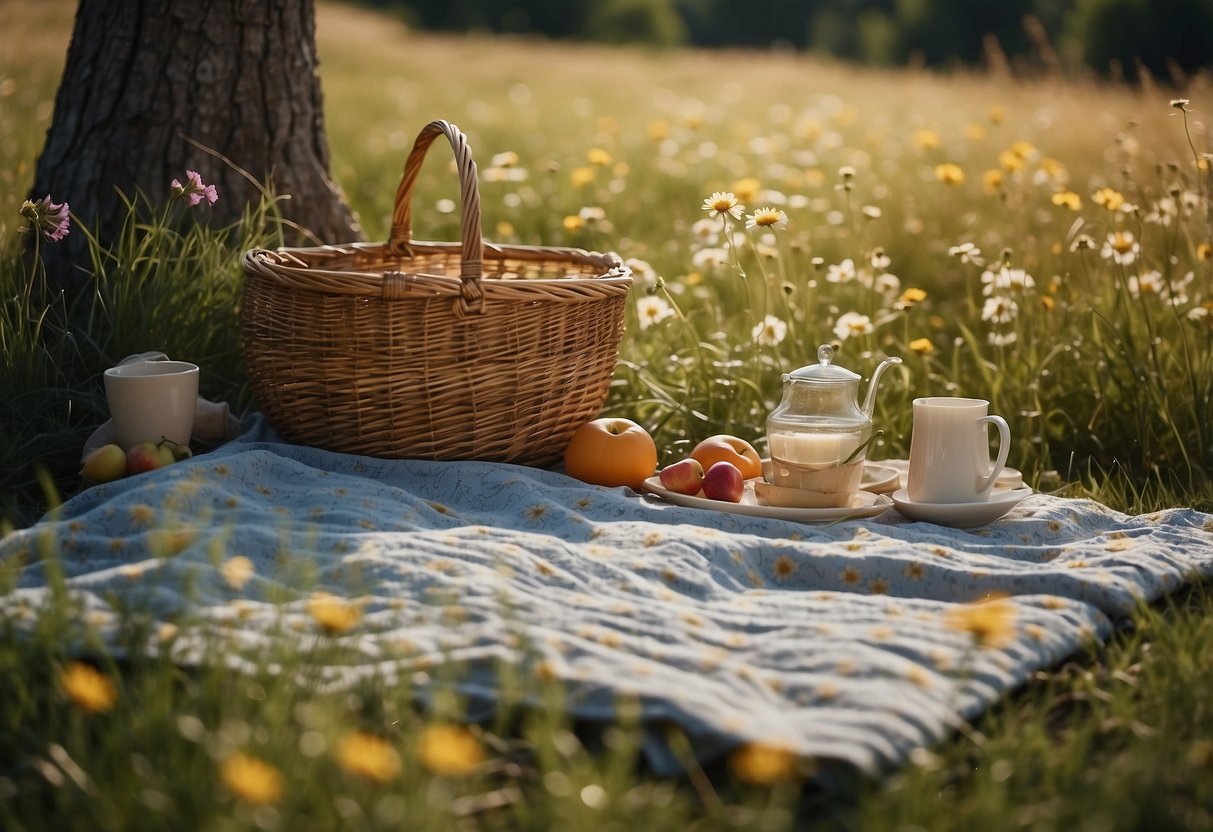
x: 150, y: 400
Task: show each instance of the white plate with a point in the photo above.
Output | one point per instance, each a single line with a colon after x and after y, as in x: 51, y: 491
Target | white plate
x: 961, y: 515
x: 865, y: 504
x: 878, y: 477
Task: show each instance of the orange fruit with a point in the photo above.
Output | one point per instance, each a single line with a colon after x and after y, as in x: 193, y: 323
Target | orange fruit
x: 611, y: 451
x: 724, y: 447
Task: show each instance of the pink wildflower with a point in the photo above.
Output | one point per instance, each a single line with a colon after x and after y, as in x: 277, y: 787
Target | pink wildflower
x: 195, y: 190
x: 52, y: 219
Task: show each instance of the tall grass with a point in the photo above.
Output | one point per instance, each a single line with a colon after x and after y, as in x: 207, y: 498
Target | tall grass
x: 1103, y: 368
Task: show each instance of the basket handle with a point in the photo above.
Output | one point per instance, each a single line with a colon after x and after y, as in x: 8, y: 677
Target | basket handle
x: 471, y: 246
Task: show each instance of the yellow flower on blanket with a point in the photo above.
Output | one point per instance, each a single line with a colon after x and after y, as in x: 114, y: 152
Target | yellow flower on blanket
x: 237, y: 572
x: 334, y: 615
x: 991, y: 622
x: 251, y: 779
x: 762, y: 764
x: 91, y: 690
x: 368, y: 756
x: 449, y: 750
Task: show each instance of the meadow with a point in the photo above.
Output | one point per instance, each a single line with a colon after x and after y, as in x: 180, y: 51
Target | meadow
x: 1042, y: 243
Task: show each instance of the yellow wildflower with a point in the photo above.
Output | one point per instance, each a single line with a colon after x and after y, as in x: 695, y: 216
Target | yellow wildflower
x: 1204, y: 251
x: 991, y: 623
x: 598, y: 157
x: 950, y: 174
x: 1109, y: 198
x: 1024, y: 150
x: 746, y: 189
x: 922, y: 346
x: 580, y: 177
x: 1010, y: 160
x: 762, y: 764
x: 237, y: 571
x: 251, y: 779
x: 368, y: 756
x: 1067, y: 199
x: 573, y: 222
x: 926, y: 139
x: 913, y: 295
x: 449, y: 750
x: 334, y: 615
x: 91, y: 690
x: 1054, y: 169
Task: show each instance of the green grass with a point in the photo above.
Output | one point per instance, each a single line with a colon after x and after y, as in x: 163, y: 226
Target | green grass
x: 1107, y: 389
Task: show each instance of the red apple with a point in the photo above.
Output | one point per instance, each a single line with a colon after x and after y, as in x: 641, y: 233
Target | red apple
x: 723, y: 481
x: 683, y: 477
x: 148, y: 456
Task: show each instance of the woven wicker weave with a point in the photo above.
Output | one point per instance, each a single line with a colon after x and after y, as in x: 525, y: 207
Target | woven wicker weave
x: 410, y: 349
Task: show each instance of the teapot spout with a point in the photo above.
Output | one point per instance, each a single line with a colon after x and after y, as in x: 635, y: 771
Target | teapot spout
x: 870, y: 400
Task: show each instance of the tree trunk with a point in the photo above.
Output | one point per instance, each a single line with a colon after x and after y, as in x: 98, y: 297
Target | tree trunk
x: 145, y: 77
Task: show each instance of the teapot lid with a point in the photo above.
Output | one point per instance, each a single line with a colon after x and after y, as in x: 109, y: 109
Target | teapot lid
x: 825, y: 370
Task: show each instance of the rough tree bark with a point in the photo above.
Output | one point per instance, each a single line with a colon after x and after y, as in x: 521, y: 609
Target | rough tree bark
x: 143, y: 76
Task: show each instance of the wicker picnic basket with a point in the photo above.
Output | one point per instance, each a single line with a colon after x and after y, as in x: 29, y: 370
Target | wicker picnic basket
x: 409, y: 349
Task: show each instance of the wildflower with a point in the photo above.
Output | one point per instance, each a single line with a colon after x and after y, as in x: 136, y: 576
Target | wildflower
x: 912, y: 296
x: 580, y: 177
x: 771, y: 218
x: 1180, y: 103
x: 251, y: 779
x: 705, y: 232
x: 770, y: 332
x: 871, y: 212
x: 967, y: 252
x: 880, y: 260
x: 1067, y: 199
x: 999, y: 310
x: 1150, y: 283
x: 1024, y: 150
x: 887, y: 284
x: 1081, y: 242
x: 922, y: 346
x: 91, y: 690
x: 1163, y: 211
x: 194, y: 190
x: 1002, y: 339
x: 368, y: 756
x: 852, y: 323
x: 573, y: 223
x: 1121, y: 248
x: 843, y: 272
x: 950, y: 174
x: 334, y: 615
x: 1006, y: 279
x: 762, y: 764
x: 723, y: 203
x: 1109, y: 198
x: 1052, y: 169
x: 641, y: 270
x: 991, y: 623
x: 708, y: 258
x: 51, y: 219
x: 846, y: 172
x: 598, y: 157
x: 505, y: 159
x: 449, y: 750
x: 1010, y: 160
x: 592, y: 213
x: 1204, y: 251
x: 651, y: 309
x: 926, y: 139
x: 747, y: 189
x: 991, y: 181
x: 237, y: 571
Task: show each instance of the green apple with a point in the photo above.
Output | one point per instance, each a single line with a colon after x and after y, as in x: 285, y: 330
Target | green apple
x: 105, y: 464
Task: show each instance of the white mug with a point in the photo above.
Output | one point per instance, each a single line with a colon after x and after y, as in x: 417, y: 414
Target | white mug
x: 152, y: 399
x: 950, y: 450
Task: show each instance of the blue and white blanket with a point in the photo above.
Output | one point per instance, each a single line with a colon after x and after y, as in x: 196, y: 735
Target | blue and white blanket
x: 839, y: 642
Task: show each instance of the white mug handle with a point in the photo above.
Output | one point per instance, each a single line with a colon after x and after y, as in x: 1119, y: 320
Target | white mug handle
x: 1004, y: 448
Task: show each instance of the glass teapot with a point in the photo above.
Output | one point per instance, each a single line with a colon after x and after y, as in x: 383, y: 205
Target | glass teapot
x: 820, y: 421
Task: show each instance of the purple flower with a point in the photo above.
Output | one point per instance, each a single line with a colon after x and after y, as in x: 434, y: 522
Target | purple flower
x: 194, y: 189
x: 52, y: 219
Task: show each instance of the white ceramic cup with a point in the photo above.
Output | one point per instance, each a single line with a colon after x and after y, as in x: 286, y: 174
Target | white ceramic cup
x: 950, y: 450
x: 152, y: 399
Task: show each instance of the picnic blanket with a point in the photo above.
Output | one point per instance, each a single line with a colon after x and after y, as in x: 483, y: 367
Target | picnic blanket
x: 849, y: 641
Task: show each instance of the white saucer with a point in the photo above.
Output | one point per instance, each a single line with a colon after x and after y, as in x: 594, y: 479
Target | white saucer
x: 961, y: 515
x: 1007, y: 478
x: 864, y: 504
